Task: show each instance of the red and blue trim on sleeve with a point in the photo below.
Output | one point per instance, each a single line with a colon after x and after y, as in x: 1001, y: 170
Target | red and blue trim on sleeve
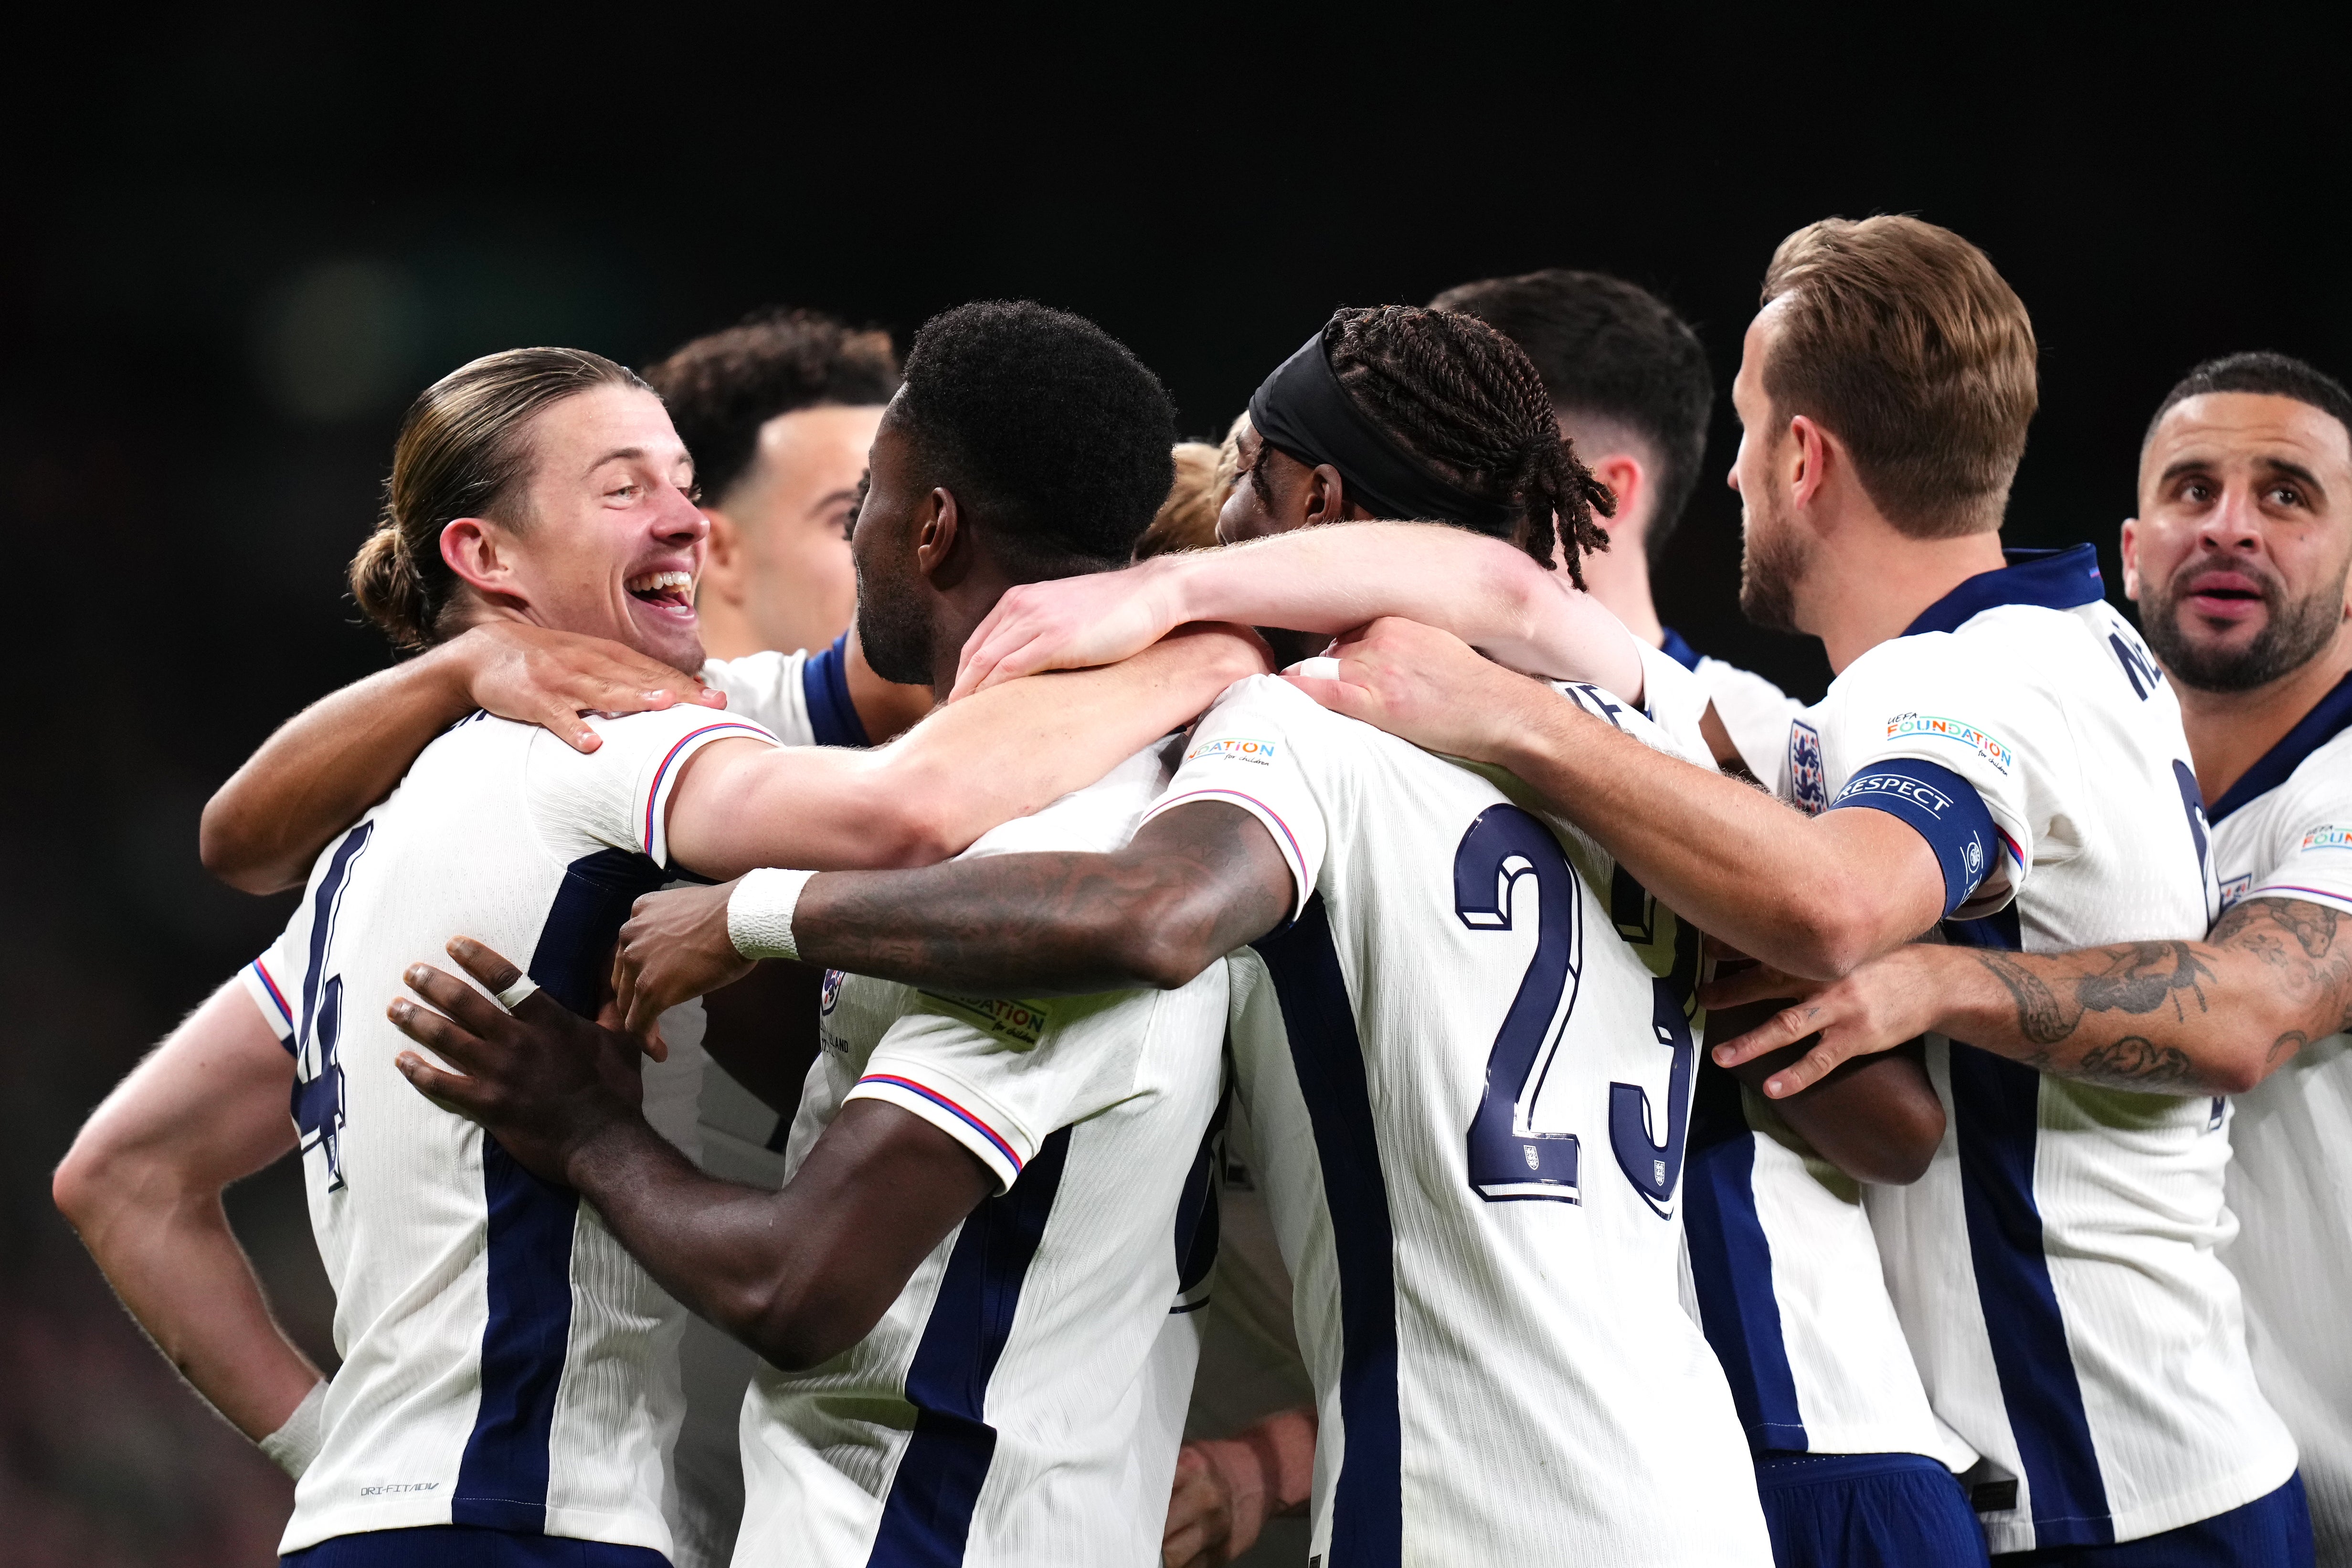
x: 661, y: 774
x: 944, y: 1103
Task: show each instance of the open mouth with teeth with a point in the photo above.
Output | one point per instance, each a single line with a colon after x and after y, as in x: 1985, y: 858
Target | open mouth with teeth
x: 664, y: 590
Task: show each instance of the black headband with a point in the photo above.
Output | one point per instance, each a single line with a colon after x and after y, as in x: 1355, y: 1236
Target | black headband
x: 1303, y: 410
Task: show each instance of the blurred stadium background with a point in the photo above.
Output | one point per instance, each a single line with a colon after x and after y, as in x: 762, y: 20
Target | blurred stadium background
x: 240, y: 242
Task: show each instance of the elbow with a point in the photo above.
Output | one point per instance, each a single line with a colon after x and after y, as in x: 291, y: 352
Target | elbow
x: 230, y: 854
x: 1910, y: 1148
x: 90, y: 1181
x: 798, y: 1330
x: 1842, y: 923
x: 922, y: 826
x: 2238, y: 1071
x: 1165, y: 941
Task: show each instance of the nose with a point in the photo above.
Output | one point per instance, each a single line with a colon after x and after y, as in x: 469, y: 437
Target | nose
x: 678, y: 518
x: 2235, y: 525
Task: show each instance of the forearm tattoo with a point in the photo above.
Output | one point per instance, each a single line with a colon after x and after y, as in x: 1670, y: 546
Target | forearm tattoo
x: 2069, y: 1007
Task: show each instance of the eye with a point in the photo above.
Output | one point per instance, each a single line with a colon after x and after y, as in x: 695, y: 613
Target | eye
x: 2196, y: 490
x: 2283, y: 495
x: 628, y: 491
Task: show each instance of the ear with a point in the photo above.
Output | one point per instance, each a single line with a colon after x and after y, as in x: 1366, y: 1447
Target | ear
x: 1629, y: 483
x: 722, y: 566
x: 1806, y: 461
x: 938, y: 529
x: 477, y: 550
x: 2131, y: 559
x: 1325, y: 495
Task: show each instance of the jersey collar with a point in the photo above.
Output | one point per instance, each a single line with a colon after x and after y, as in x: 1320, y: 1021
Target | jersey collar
x: 2053, y: 579
x: 2329, y: 717
x: 1675, y: 647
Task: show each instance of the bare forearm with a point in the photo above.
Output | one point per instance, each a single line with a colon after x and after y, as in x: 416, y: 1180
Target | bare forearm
x: 1009, y: 751
x: 1010, y: 925
x: 2215, y: 1017
x: 1490, y: 595
x: 180, y: 1272
x: 1811, y: 897
x: 323, y: 768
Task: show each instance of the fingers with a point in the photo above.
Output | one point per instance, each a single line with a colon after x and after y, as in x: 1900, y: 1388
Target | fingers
x: 436, y: 1033
x: 491, y: 968
x: 447, y: 1091
x: 468, y: 1007
x: 1779, y: 1031
x: 1807, y: 1069
x: 1339, y: 696
x: 562, y: 721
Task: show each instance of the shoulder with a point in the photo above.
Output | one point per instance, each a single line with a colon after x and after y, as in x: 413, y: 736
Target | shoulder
x: 766, y: 687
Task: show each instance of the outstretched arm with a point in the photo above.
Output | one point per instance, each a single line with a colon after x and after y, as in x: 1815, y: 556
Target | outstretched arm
x: 142, y: 1186
x: 330, y: 762
x: 1810, y: 896
x: 799, y: 1275
x: 1325, y: 580
x: 2215, y: 1017
x: 1191, y: 886
x: 952, y: 777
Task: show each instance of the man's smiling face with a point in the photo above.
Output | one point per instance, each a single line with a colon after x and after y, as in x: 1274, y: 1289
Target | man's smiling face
x: 612, y: 543
x: 2238, y: 558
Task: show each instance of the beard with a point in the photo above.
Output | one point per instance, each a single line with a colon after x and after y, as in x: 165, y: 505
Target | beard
x: 1772, y: 559
x: 895, y: 632
x: 2293, y: 635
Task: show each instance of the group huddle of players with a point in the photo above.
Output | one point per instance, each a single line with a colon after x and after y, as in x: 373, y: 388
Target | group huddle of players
x: 1673, y: 1124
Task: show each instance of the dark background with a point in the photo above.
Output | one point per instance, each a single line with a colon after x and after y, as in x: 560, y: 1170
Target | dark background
x: 238, y: 245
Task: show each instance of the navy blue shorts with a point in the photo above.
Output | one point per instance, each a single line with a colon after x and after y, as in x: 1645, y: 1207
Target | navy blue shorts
x: 1866, y: 1510
x: 467, y: 1546
x: 2272, y: 1531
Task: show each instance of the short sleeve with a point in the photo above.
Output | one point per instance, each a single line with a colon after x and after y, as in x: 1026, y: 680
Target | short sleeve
x: 274, y: 979
x: 1001, y: 1077
x: 618, y: 794
x: 1675, y: 700
x: 2313, y: 837
x: 1252, y: 750
x: 1971, y: 757
x: 1755, y: 714
x: 1682, y: 741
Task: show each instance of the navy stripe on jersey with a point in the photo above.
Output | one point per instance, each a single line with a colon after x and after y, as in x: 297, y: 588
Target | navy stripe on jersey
x: 2054, y: 579
x: 825, y: 687
x: 2330, y: 718
x: 927, y: 1517
x: 1731, y: 1266
x: 1996, y: 1114
x: 1674, y: 646
x: 502, y: 1480
x: 1367, y: 1507
x: 1198, y: 1214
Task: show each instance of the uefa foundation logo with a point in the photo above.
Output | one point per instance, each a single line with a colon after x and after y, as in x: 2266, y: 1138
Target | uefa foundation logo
x: 1904, y: 726
x: 1233, y: 749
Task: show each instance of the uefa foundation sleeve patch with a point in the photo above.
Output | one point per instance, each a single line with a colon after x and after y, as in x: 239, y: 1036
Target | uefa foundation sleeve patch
x: 1233, y: 749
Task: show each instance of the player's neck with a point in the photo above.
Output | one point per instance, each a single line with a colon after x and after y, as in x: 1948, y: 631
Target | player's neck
x: 1619, y: 578
x: 1875, y: 582
x: 2230, y: 731
x: 727, y: 630
x: 885, y: 708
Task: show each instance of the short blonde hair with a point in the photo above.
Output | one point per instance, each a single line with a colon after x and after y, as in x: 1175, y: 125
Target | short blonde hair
x: 1901, y: 338
x: 1205, y: 475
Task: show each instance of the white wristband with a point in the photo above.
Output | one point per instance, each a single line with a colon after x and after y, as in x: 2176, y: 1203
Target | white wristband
x: 294, y: 1445
x: 760, y: 913
x: 520, y: 991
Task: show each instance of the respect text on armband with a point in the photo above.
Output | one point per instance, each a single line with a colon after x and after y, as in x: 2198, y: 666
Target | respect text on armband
x: 1908, y: 726
x: 1926, y: 796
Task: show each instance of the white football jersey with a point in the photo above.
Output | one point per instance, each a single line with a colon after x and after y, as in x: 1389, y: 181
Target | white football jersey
x: 2055, y: 1268
x: 1754, y: 711
x: 1470, y: 1083
x: 505, y: 1362
x: 2284, y: 831
x: 1018, y: 1404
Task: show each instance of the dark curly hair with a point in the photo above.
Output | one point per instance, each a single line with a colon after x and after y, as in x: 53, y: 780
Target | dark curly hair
x: 722, y: 387
x: 1468, y: 404
x: 1046, y: 426
x: 1609, y: 350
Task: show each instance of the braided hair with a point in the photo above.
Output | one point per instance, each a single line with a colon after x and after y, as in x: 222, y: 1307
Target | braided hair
x: 1468, y: 404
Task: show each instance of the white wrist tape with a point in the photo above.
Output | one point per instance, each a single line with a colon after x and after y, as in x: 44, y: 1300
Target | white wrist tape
x: 1320, y: 668
x: 760, y: 913
x: 294, y: 1445
x: 516, y: 995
